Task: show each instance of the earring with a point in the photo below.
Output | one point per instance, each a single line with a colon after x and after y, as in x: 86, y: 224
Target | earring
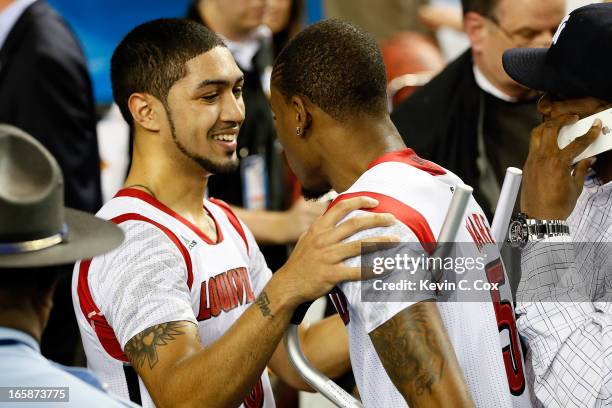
x: 298, y: 130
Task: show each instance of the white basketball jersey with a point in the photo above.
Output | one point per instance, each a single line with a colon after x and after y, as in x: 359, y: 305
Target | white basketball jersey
x: 166, y: 270
x: 483, y: 333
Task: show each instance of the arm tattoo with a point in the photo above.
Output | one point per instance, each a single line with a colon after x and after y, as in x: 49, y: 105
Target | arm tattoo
x: 264, y: 305
x: 409, y: 350
x: 143, y: 346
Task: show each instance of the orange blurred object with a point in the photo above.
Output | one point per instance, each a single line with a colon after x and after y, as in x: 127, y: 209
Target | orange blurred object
x: 411, y: 60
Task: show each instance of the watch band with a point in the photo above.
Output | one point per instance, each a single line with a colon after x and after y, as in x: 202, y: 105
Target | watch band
x: 523, y: 229
x: 540, y: 229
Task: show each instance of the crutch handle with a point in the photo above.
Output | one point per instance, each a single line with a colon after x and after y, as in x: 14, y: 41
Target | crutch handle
x: 313, y: 377
x: 451, y: 225
x: 505, y: 204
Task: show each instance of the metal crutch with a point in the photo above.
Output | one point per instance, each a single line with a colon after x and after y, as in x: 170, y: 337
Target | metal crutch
x: 314, y: 377
x: 505, y: 205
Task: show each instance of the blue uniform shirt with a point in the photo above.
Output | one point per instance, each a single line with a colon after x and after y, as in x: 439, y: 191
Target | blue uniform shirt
x: 22, y: 365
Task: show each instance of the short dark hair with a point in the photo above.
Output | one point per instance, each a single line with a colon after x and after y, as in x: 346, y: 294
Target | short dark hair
x: 152, y: 57
x: 483, y: 7
x: 337, y: 66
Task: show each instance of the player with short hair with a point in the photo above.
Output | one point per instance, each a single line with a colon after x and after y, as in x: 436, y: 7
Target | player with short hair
x: 185, y: 312
x: 329, y: 101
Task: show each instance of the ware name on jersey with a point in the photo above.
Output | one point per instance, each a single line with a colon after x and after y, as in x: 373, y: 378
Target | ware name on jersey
x: 483, y: 334
x: 166, y: 270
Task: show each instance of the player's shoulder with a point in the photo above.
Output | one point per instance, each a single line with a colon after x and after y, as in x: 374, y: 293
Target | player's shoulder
x: 415, y: 191
x: 126, y: 201
x: 148, y: 231
x: 399, y: 229
x: 131, y: 207
x: 401, y: 188
x: 406, y: 176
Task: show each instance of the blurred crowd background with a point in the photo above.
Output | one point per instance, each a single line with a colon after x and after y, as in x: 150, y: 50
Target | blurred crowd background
x: 419, y: 37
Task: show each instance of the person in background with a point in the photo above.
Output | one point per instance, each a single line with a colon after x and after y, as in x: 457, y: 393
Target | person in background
x: 37, y: 236
x: 411, y: 60
x: 473, y: 118
x: 563, y: 302
x: 436, y: 16
x: 284, y: 19
x: 381, y: 19
x: 45, y: 90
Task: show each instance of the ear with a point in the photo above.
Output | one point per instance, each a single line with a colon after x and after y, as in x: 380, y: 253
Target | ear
x: 474, y: 25
x: 145, y: 110
x: 301, y: 115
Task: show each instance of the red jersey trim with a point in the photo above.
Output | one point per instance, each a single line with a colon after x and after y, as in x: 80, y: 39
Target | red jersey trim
x: 409, y: 157
x: 233, y: 219
x: 98, y: 322
x: 403, y: 212
x: 90, y: 310
x: 148, y: 198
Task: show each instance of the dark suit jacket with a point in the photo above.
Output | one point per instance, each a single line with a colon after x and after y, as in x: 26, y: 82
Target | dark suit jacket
x: 440, y: 122
x: 45, y: 90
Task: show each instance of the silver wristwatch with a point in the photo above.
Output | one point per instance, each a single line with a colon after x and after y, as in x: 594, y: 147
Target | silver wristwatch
x: 523, y: 229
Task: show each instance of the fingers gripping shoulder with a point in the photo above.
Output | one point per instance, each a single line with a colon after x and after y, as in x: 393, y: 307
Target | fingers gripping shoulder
x: 397, y: 229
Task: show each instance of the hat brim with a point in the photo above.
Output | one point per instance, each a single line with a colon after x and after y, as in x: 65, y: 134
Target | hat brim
x: 87, y: 237
x: 528, y: 67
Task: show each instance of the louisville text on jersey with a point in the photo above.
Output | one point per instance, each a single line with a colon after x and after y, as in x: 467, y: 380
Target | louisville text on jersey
x: 225, y: 292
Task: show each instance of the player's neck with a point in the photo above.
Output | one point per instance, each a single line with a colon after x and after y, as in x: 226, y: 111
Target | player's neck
x: 356, y: 147
x: 176, y: 182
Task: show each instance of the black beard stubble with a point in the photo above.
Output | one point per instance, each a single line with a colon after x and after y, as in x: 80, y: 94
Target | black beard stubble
x: 203, y: 162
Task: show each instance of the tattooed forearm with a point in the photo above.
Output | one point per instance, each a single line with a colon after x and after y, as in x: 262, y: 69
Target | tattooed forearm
x: 264, y: 305
x: 143, y: 346
x: 409, y: 349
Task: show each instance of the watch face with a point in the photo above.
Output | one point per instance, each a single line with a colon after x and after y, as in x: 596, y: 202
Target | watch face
x: 515, y: 232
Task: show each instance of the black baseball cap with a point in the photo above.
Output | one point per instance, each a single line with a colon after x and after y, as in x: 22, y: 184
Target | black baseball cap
x: 579, y: 61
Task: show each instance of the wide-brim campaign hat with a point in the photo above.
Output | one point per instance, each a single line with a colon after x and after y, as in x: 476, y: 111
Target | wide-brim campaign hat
x: 36, y: 230
x: 578, y: 62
